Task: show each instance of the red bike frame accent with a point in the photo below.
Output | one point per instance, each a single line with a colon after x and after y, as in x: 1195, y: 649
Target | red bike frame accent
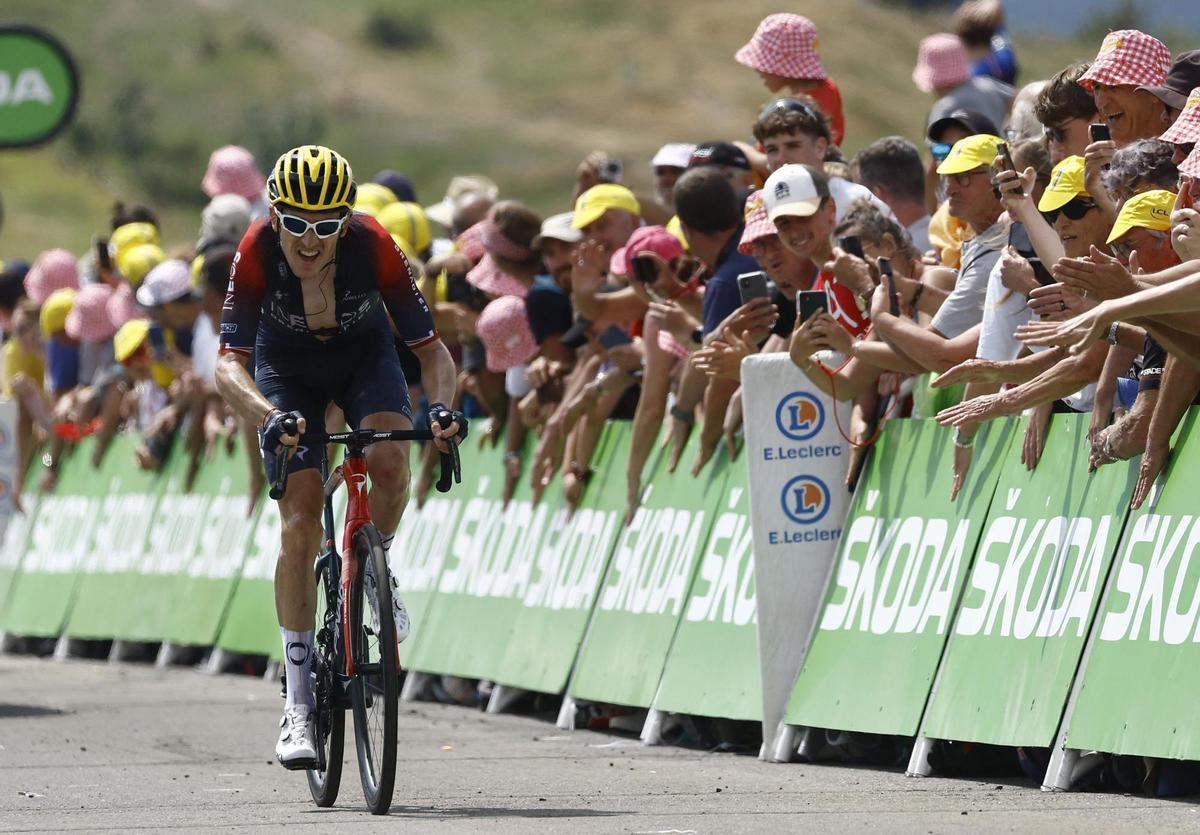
x: 358, y: 513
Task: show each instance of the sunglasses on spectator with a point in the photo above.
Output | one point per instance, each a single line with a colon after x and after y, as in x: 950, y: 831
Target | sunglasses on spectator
x: 1124, y: 249
x: 645, y: 268
x: 1056, y: 134
x: 298, y: 226
x: 940, y: 150
x: 964, y: 179
x: 788, y: 106
x: 1075, y: 209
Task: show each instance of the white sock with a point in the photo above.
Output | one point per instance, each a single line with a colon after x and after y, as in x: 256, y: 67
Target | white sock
x: 298, y: 658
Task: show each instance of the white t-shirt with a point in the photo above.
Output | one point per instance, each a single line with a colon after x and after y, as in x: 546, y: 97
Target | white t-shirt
x: 205, y: 347
x: 1003, y: 312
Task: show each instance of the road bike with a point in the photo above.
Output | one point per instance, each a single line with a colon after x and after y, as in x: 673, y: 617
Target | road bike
x: 357, y: 658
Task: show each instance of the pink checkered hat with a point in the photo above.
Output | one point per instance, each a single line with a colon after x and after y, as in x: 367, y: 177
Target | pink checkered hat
x: 1128, y: 56
x: 53, y: 270
x: 121, y: 306
x: 758, y: 225
x: 89, y: 320
x: 785, y: 45
x: 470, y: 241
x: 488, y: 277
x: 1191, y: 165
x: 503, y: 328
x: 1186, y: 129
x: 232, y: 170
x: 941, y: 62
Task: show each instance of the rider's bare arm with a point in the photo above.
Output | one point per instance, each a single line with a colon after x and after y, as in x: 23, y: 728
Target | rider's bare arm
x: 235, y: 384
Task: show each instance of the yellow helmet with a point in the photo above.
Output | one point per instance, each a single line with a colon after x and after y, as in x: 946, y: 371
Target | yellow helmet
x: 312, y: 177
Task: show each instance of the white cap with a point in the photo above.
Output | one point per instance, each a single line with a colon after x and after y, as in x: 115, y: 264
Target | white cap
x: 795, y: 191
x: 224, y: 220
x: 559, y: 228
x: 674, y: 154
x: 461, y: 189
x: 168, y: 282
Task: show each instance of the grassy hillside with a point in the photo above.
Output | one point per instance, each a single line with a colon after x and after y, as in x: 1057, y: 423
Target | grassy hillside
x: 517, y: 89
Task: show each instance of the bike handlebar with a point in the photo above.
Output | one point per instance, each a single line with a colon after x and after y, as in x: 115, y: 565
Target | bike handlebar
x: 451, y: 464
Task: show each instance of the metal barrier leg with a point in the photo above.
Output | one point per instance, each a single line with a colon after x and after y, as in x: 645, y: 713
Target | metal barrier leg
x: 414, y: 683
x: 785, y: 744
x: 168, y: 653
x: 918, y: 763
x: 217, y: 662
x: 1061, y: 768
x: 566, y: 714
x: 809, y: 743
x: 652, y: 729
x: 65, y: 648
x: 503, y: 697
x: 272, y: 671
x: 8, y: 642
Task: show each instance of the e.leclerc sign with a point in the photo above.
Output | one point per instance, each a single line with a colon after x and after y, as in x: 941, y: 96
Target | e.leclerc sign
x: 39, y: 86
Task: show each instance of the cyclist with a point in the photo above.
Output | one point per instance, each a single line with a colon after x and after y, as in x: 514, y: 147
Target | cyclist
x: 311, y: 291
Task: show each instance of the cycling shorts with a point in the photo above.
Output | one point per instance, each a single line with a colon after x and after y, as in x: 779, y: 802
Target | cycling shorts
x: 362, y: 376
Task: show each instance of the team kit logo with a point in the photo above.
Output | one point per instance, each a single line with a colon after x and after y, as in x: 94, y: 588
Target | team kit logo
x: 800, y: 416
x: 805, y: 499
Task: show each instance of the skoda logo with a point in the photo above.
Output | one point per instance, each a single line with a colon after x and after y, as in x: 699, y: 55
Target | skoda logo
x: 805, y: 499
x: 799, y: 416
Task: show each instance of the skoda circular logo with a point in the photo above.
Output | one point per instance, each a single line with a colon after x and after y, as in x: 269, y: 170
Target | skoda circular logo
x: 799, y: 416
x: 805, y: 499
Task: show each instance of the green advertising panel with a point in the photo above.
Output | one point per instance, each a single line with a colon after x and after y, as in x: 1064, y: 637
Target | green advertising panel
x: 571, y: 560
x: 16, y: 536
x: 59, y: 540
x: 719, y: 629
x: 117, y: 551
x: 1038, y: 574
x: 202, y: 594
x: 641, y: 599
x: 1139, y: 685
x: 466, y: 628
x: 902, y: 561
x: 251, y: 626
x: 39, y: 86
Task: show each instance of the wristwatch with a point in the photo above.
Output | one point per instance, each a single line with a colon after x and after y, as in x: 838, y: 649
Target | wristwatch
x: 1112, y: 333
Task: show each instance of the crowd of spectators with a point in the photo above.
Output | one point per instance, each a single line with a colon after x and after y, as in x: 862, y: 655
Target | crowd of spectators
x: 941, y: 263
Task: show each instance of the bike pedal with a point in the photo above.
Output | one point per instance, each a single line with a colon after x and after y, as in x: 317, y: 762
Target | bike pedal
x: 299, y: 765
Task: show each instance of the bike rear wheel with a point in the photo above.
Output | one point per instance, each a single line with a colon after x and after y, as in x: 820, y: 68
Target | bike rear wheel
x: 330, y: 712
x: 375, y: 687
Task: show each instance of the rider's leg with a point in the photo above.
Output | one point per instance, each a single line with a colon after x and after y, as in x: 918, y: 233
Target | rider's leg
x: 387, y: 464
x: 295, y: 590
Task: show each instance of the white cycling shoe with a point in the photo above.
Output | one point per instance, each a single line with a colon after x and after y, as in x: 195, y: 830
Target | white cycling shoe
x: 297, y: 746
x: 399, y: 612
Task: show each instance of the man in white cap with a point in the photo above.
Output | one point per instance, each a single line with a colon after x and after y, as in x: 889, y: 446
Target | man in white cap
x: 668, y: 163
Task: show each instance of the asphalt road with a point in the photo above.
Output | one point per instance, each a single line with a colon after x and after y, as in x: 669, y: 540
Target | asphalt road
x: 96, y: 747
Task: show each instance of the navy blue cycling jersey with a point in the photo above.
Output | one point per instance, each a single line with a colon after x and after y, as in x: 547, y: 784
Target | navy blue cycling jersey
x: 264, y: 306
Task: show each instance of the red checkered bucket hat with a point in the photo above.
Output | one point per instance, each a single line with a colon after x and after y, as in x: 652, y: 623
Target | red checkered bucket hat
x: 758, y: 225
x: 785, y: 45
x: 1186, y: 129
x: 1191, y: 165
x: 1128, y: 56
x: 941, y: 62
x: 89, y: 320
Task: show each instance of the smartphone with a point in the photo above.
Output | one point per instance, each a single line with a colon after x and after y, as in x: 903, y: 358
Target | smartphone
x: 852, y: 245
x: 1006, y: 155
x: 103, y: 259
x: 885, y: 271
x: 614, y: 336
x: 645, y: 269
x: 1099, y: 132
x: 612, y: 171
x: 811, y: 302
x: 753, y: 286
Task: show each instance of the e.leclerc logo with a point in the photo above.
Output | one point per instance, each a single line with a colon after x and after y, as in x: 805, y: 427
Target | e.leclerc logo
x: 805, y: 499
x: 799, y: 416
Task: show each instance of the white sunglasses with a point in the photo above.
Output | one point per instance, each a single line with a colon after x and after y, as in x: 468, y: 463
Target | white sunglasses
x: 298, y: 226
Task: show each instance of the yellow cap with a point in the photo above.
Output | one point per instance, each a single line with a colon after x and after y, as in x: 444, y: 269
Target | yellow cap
x: 599, y: 199
x: 407, y: 221
x: 676, y: 228
x: 407, y: 249
x: 372, y: 197
x: 1066, y: 183
x: 129, y: 338
x: 130, y: 235
x: 53, y: 316
x: 970, y: 153
x: 135, y: 261
x: 1148, y: 210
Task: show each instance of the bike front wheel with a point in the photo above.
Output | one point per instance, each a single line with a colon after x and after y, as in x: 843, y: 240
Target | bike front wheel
x: 375, y: 687
x: 330, y: 712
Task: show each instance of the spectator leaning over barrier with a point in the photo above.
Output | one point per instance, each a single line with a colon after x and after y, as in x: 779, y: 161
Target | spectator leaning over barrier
x: 668, y: 163
x: 946, y: 232
x: 785, y: 52
x: 891, y: 169
x: 944, y: 70
x: 794, y: 131
x: 607, y: 214
x: 1066, y: 109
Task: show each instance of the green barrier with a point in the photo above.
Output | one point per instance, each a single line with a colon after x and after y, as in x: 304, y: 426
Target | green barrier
x: 1034, y: 587
x: 16, y: 536
x: 903, y: 558
x: 571, y: 559
x: 201, y: 596
x: 251, y: 626
x: 1137, y: 691
x: 719, y: 626
x: 641, y: 600
x: 59, y: 537
x: 117, y: 550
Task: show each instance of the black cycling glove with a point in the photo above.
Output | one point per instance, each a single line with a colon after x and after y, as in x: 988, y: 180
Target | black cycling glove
x: 270, y: 436
x: 438, y: 414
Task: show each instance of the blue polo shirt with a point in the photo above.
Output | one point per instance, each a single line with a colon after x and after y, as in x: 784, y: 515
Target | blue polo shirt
x: 721, y: 295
